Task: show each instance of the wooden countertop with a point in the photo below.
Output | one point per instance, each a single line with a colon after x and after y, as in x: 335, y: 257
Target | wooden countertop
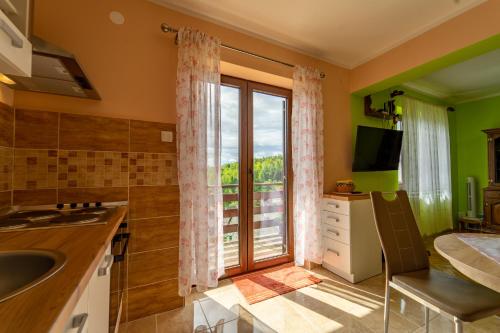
x: 47, y: 306
x: 347, y: 196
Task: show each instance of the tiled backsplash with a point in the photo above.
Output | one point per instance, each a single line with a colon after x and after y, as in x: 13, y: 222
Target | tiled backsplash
x: 6, y: 154
x: 92, y: 169
x: 6, y: 168
x: 35, y: 169
x: 54, y: 158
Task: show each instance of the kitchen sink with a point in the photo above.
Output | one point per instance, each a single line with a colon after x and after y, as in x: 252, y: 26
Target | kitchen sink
x: 21, y: 270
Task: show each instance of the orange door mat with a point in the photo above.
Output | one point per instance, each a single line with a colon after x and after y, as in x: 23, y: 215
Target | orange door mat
x: 268, y: 283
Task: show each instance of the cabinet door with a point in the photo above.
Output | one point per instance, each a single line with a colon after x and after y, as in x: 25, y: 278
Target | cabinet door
x: 99, y: 290
x: 15, y: 49
x: 79, y: 320
x: 492, y: 211
x: 496, y: 160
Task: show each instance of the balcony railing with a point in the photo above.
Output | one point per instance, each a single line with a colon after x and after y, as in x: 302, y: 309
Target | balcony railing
x: 269, y: 222
x: 261, y: 197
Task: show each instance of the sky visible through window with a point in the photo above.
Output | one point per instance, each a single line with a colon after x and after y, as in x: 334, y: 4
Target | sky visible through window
x: 268, y: 125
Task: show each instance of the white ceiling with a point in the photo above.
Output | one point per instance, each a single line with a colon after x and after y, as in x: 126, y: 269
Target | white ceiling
x: 343, y: 32
x: 470, y: 80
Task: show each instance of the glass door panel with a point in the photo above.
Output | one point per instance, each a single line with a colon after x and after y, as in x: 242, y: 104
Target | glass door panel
x: 230, y: 172
x: 269, y: 117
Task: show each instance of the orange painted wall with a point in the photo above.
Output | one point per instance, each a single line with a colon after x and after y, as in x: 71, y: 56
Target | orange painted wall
x: 471, y: 27
x: 134, y: 66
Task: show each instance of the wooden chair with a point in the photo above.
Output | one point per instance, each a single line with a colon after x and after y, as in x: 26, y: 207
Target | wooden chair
x: 408, y: 271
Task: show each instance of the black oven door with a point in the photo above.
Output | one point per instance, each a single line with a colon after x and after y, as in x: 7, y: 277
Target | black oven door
x: 118, y: 270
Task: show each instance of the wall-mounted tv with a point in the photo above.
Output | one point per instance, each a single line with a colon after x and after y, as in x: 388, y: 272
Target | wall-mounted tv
x: 377, y: 149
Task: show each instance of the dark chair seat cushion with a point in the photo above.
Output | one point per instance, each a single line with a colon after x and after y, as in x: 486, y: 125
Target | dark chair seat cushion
x: 465, y: 300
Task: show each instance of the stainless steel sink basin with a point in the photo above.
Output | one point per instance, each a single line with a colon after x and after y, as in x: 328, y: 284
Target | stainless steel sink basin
x: 23, y: 269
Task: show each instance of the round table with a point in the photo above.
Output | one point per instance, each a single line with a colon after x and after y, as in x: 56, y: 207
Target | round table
x: 469, y: 261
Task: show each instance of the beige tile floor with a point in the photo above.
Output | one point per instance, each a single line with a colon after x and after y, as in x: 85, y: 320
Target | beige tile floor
x: 333, y: 305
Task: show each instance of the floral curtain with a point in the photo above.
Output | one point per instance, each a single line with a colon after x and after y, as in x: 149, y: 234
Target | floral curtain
x: 201, y: 260
x: 425, y: 164
x: 307, y: 161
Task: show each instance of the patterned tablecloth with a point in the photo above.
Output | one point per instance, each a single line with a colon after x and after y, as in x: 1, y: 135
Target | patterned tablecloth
x: 488, y: 246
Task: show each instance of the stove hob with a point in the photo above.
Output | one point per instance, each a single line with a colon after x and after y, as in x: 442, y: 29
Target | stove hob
x: 10, y: 224
x: 35, y: 215
x: 91, y: 210
x: 75, y: 219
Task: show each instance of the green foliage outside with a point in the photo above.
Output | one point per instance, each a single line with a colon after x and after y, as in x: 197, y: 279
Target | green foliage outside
x: 266, y: 170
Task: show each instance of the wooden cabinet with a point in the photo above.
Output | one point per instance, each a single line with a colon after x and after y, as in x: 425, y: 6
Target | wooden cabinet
x: 492, y: 207
x: 91, y: 314
x: 492, y: 192
x: 493, y: 157
x: 351, y: 248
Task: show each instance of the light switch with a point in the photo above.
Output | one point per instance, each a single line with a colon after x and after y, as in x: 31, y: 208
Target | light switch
x: 167, y: 136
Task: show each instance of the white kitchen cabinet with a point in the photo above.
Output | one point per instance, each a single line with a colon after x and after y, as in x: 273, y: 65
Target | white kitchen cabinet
x: 78, y: 322
x: 91, y: 314
x: 351, y: 248
x: 15, y: 48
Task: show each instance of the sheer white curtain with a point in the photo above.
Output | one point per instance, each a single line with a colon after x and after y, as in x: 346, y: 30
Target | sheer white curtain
x: 201, y: 260
x: 426, y: 164
x: 307, y: 162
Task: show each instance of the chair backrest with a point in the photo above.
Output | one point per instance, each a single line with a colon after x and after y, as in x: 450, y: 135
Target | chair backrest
x: 397, y: 229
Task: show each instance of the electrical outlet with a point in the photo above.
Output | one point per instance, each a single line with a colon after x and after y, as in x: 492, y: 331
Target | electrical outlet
x: 167, y: 136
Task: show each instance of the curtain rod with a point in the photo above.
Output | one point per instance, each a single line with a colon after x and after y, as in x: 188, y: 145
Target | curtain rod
x: 168, y: 29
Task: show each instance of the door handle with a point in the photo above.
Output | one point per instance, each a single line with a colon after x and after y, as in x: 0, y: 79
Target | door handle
x: 102, y: 271
x: 79, y: 322
x: 118, y: 238
x: 16, y: 40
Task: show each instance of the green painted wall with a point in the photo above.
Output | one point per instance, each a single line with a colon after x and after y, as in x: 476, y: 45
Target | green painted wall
x: 374, y: 180
x: 388, y: 180
x: 381, y: 180
x: 471, y: 151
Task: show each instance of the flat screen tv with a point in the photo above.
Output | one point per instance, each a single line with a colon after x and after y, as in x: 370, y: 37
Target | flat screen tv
x: 377, y: 149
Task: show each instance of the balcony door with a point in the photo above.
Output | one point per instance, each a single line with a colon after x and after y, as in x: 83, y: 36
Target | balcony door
x: 256, y: 175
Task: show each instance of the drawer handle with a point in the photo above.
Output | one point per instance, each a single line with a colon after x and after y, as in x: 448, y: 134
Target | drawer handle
x: 102, y: 271
x: 15, y: 39
x: 333, y: 232
x: 334, y: 252
x: 331, y: 217
x: 79, y: 322
x: 333, y: 204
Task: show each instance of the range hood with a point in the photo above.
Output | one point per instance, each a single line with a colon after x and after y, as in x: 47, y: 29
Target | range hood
x: 54, y: 71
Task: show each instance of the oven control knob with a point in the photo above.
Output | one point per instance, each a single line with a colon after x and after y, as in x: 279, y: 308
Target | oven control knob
x: 98, y: 204
x: 60, y: 206
x: 86, y: 204
x: 73, y: 205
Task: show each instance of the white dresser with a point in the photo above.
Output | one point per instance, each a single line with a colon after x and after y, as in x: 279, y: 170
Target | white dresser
x: 351, y: 247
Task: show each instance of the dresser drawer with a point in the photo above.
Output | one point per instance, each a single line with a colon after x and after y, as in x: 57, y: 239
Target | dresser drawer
x: 335, y: 219
x: 335, y: 206
x: 336, y: 254
x: 491, y: 194
x: 336, y: 233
